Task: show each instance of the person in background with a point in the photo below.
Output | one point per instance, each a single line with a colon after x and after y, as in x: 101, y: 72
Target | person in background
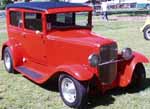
x: 104, y: 11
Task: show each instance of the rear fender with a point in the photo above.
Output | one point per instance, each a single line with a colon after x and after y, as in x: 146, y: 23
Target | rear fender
x: 79, y: 72
x: 16, y: 52
x: 125, y: 76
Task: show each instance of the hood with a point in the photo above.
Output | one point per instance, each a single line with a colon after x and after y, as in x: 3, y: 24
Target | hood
x: 83, y: 37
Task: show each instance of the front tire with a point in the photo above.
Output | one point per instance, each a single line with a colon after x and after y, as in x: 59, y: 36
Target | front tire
x: 146, y: 32
x: 73, y: 92
x: 139, y: 77
x: 8, y: 60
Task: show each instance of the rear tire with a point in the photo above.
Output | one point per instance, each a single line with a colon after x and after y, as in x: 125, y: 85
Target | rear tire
x: 146, y: 32
x: 8, y: 60
x: 73, y: 92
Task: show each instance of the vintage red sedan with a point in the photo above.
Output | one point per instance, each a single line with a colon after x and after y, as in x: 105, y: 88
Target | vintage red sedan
x: 54, y: 40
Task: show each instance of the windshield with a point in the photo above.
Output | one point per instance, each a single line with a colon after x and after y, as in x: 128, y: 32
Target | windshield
x: 68, y: 20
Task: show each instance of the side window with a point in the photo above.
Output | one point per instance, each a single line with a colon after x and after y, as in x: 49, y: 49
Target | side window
x: 65, y: 19
x: 60, y: 18
x: 82, y: 18
x: 33, y: 21
x: 15, y: 18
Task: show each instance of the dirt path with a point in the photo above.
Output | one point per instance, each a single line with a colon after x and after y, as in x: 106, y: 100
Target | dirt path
x: 122, y: 18
x: 128, y: 18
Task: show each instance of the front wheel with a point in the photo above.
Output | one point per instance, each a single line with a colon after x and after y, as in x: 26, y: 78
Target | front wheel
x: 73, y: 92
x: 8, y: 60
x: 146, y: 32
x: 139, y: 77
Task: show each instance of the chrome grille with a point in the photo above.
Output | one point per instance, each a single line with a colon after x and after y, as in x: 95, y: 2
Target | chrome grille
x: 108, y: 72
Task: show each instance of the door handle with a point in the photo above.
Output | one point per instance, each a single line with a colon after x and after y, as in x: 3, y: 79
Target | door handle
x: 39, y: 34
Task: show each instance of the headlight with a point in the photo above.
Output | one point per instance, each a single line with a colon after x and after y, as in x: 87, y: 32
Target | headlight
x: 127, y: 53
x: 93, y: 60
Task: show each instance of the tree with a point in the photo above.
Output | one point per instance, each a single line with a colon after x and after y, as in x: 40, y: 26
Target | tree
x: 5, y: 2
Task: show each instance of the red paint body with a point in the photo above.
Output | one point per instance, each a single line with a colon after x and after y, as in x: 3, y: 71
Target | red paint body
x: 54, y: 52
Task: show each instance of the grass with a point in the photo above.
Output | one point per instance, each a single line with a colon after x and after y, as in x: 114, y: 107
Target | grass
x: 17, y: 92
x: 2, y: 24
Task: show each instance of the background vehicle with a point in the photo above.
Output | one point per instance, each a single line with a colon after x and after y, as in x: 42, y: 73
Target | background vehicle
x: 51, y: 39
x: 146, y: 28
x: 143, y: 4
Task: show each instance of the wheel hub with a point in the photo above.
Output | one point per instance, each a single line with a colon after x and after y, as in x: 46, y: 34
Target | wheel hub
x: 7, y: 61
x: 148, y: 33
x: 68, y: 90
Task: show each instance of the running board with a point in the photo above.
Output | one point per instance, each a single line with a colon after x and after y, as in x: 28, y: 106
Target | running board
x: 29, y: 72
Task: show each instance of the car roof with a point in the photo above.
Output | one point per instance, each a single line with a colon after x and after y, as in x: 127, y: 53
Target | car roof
x: 44, y: 6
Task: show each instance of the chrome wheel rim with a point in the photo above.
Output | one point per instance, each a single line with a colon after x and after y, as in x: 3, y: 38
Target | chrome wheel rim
x: 7, y: 61
x: 68, y: 90
x: 148, y: 33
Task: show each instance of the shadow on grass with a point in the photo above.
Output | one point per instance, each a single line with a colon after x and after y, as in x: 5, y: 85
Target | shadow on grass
x: 108, y: 98
x: 132, y: 89
x: 50, y: 85
x: 99, y: 99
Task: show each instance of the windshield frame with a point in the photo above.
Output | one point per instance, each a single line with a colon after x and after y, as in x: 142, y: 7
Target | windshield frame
x: 89, y: 20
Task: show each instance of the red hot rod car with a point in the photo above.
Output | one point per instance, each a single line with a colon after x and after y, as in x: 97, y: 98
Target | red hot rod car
x: 54, y: 39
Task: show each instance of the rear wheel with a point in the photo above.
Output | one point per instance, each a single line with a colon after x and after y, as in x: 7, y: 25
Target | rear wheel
x: 8, y: 61
x: 139, y: 77
x: 146, y: 32
x: 73, y: 92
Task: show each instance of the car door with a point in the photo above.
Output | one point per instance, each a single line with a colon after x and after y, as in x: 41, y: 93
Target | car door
x: 15, y: 25
x: 34, y: 37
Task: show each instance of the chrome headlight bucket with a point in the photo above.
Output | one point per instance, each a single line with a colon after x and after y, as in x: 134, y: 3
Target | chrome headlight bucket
x: 127, y: 53
x: 94, y: 60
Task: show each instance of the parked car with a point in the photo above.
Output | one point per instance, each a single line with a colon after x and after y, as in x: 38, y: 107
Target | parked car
x: 143, y: 4
x: 55, y: 40
x: 146, y: 28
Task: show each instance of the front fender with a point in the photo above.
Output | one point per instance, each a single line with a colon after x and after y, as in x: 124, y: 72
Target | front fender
x: 79, y: 72
x: 126, y: 74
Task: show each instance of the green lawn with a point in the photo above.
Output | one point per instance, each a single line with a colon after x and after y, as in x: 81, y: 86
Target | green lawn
x: 17, y: 92
x: 2, y: 24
